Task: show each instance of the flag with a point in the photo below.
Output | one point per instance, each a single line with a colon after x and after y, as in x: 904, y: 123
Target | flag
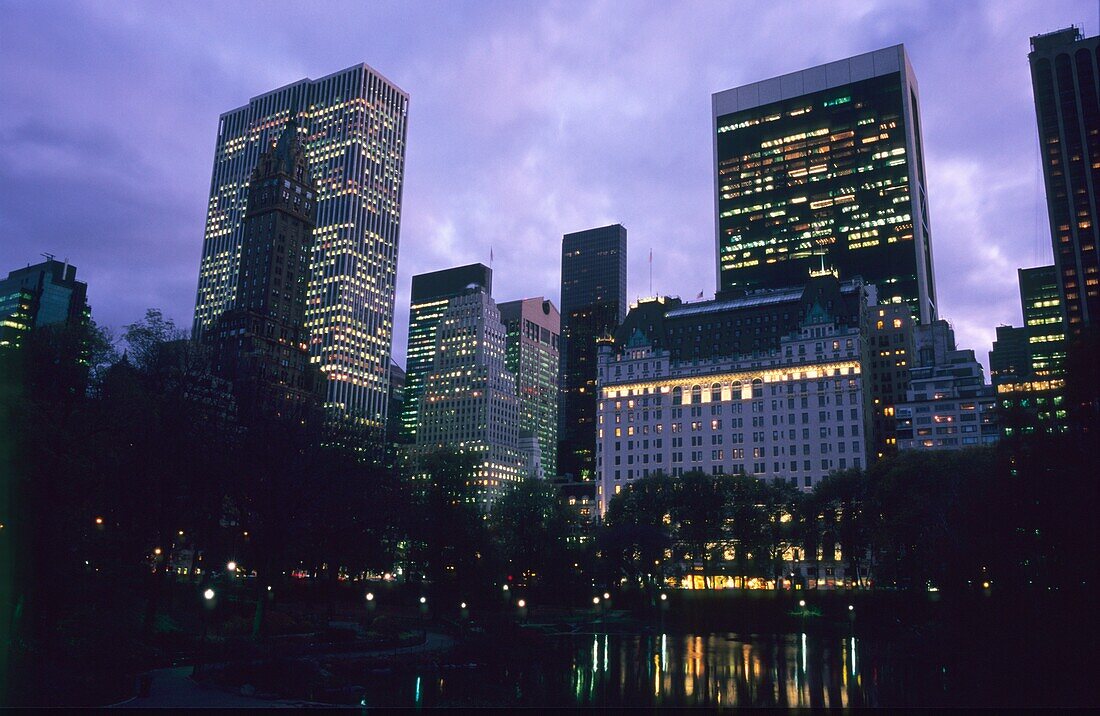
x: 490, y: 255
x: 700, y: 295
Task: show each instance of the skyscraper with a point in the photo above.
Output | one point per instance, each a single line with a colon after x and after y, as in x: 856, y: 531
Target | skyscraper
x: 45, y: 294
x: 431, y: 294
x: 1028, y: 364
x: 468, y: 397
x: 354, y: 137
x: 533, y: 357
x: 1064, y: 75
x: 593, y: 304
x: 261, y: 343
x: 825, y: 167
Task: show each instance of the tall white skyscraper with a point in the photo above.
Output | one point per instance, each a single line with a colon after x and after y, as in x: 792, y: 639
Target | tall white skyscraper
x: 353, y: 126
x: 468, y: 402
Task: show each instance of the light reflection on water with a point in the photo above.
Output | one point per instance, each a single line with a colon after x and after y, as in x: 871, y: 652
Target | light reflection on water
x: 722, y: 669
x: 719, y: 670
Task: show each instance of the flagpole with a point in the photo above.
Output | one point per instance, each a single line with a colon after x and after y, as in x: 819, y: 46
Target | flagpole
x: 650, y: 271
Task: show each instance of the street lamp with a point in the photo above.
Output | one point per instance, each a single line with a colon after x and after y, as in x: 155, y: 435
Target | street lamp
x: 423, y: 600
x: 231, y: 566
x: 664, y: 597
x: 208, y: 595
x: 596, y: 601
x: 370, y: 596
x: 521, y: 603
x: 802, y: 602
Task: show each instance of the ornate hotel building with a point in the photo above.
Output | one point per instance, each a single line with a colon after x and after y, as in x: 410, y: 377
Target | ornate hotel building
x: 353, y: 129
x: 794, y: 409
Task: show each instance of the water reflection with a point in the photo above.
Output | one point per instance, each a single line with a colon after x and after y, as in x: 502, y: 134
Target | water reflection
x: 718, y: 670
x: 726, y: 670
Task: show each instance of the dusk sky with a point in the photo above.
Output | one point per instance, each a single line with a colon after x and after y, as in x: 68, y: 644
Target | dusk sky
x: 526, y: 121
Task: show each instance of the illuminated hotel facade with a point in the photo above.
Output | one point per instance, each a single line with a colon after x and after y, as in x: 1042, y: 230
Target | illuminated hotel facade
x: 824, y: 167
x: 354, y: 130
x: 795, y: 411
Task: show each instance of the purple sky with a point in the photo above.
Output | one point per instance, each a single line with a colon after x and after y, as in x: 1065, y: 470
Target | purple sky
x: 526, y: 121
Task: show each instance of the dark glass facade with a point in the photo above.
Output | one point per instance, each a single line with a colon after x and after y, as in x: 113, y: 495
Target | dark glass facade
x: 431, y: 294
x: 593, y: 304
x: 45, y: 294
x: 1065, y: 73
x: 832, y: 178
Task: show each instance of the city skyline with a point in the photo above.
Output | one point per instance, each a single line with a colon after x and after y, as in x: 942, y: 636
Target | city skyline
x: 552, y: 155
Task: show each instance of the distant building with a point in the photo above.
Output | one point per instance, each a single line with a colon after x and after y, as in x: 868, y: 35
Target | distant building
x: 468, y: 400
x: 533, y: 356
x: 891, y: 355
x: 593, y: 304
x: 45, y: 294
x: 825, y: 166
x: 795, y: 411
x: 948, y: 405
x: 579, y: 496
x: 1027, y: 364
x: 397, y: 401
x: 261, y: 343
x: 353, y: 128
x: 431, y: 294
x: 1064, y: 74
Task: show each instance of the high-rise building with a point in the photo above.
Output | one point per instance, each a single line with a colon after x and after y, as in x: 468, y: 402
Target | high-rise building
x: 890, y: 348
x: 468, y: 398
x: 593, y: 304
x: 261, y: 343
x: 825, y: 168
x: 431, y: 294
x: 354, y: 126
x: 1027, y: 364
x: 533, y: 357
x: 45, y: 294
x: 1064, y: 75
x: 397, y: 403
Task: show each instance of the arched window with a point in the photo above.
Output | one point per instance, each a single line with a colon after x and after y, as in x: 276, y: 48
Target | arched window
x: 735, y: 390
x: 677, y: 395
x: 696, y: 394
x: 716, y: 392
x: 757, y: 388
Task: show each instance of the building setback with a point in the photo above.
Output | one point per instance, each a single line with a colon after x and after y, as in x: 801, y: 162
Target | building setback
x: 825, y: 167
x: 261, y: 343
x: 354, y: 124
x: 948, y: 406
x: 593, y: 304
x: 1064, y: 75
x: 45, y: 294
x: 431, y: 294
x: 891, y: 356
x: 533, y: 357
x: 796, y: 415
x: 468, y: 401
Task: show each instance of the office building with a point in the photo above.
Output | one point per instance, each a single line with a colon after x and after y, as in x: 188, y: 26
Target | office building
x: 1064, y: 75
x: 261, y: 343
x: 1027, y: 364
x: 593, y: 304
x: 796, y: 414
x: 533, y: 357
x: 353, y: 126
x: 891, y: 355
x: 431, y: 294
x: 468, y: 400
x: 825, y: 167
x: 45, y: 294
x: 948, y: 406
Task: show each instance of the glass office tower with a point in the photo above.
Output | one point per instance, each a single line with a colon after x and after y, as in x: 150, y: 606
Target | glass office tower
x: 593, y: 304
x: 354, y: 126
x: 1064, y: 74
x: 824, y: 168
x: 533, y: 356
x: 431, y: 294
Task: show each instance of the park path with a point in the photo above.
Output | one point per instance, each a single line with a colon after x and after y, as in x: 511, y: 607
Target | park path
x: 174, y: 687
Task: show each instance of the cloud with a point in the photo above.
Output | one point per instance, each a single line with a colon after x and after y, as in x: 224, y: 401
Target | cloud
x: 527, y: 121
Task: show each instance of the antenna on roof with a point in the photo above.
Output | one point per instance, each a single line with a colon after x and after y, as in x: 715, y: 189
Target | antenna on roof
x: 49, y: 257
